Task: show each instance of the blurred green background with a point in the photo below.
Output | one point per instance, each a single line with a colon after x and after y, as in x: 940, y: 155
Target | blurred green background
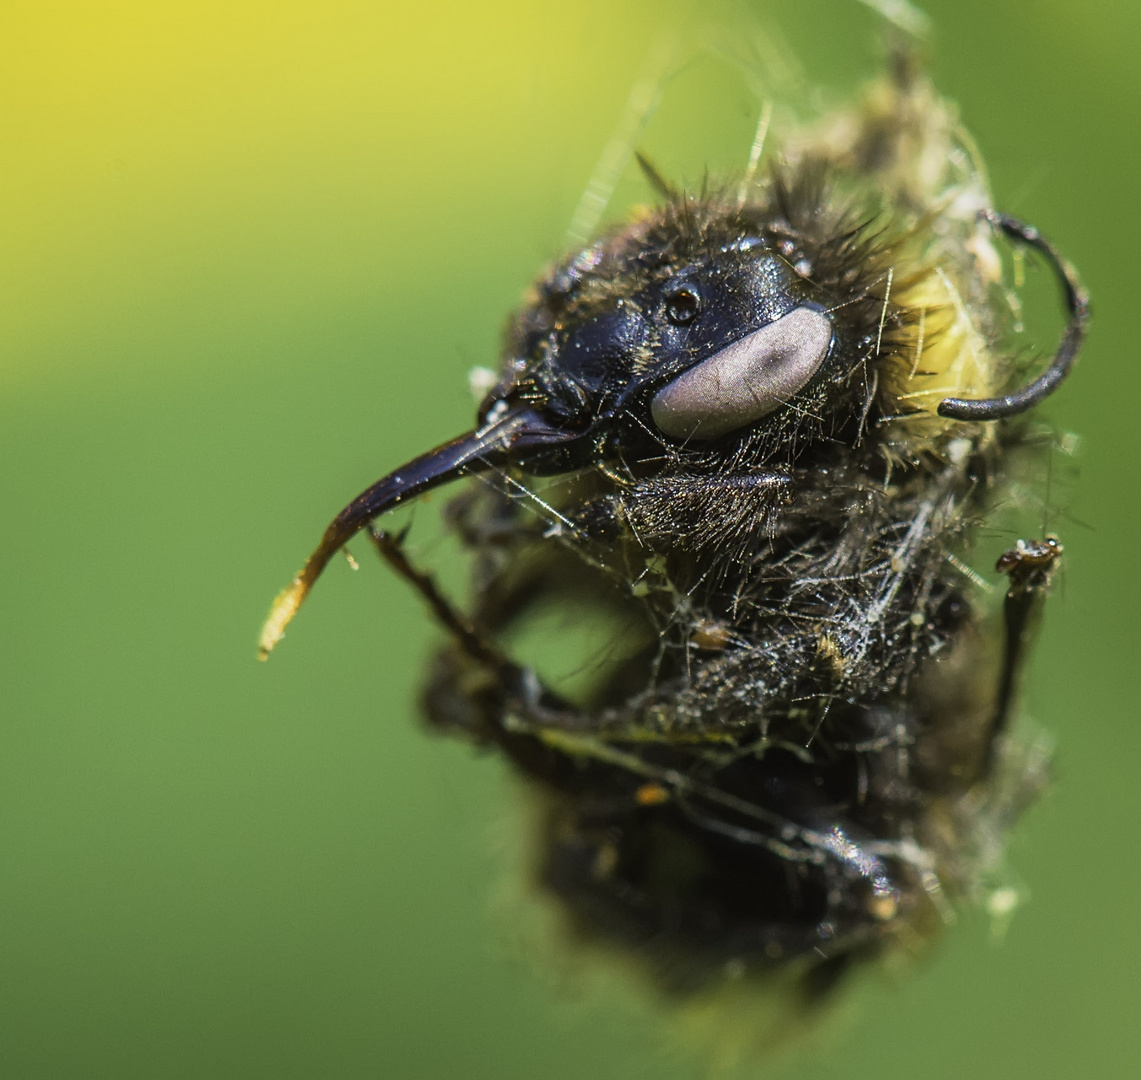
x: 250, y: 251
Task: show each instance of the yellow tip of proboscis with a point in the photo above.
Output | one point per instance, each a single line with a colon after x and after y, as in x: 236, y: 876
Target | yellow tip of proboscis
x: 283, y: 610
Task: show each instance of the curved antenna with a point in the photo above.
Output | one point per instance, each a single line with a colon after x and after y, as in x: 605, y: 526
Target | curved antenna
x: 1077, y: 304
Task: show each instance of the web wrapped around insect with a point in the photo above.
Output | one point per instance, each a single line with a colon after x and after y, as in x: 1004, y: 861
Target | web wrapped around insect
x: 790, y: 676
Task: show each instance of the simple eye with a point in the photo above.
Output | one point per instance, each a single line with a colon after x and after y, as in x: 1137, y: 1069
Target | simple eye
x: 682, y: 305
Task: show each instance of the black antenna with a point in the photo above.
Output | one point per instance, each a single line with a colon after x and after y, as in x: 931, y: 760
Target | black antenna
x: 1077, y: 303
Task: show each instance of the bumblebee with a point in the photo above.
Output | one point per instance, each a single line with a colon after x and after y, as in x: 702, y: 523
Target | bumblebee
x: 747, y: 433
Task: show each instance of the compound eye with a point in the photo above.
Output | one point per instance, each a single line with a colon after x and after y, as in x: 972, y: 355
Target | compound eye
x: 745, y: 380
x: 683, y: 302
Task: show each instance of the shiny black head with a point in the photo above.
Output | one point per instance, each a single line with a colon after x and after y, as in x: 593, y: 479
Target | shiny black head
x: 706, y: 331
x: 690, y: 327
x: 683, y: 331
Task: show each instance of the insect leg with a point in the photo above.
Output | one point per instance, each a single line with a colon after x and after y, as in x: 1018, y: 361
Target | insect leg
x: 475, y: 642
x: 515, y: 688
x: 1030, y: 566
